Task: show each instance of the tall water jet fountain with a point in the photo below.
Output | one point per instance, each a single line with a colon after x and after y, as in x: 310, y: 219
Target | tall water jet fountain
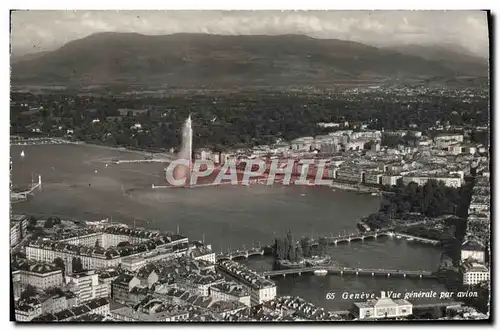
x: 186, y: 152
x: 187, y: 141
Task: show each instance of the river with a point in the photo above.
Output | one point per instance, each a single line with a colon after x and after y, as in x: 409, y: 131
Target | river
x: 80, y: 182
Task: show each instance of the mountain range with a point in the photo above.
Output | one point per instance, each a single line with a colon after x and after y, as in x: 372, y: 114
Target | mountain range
x: 201, y: 60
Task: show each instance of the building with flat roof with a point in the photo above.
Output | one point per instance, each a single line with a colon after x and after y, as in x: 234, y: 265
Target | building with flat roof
x: 382, y: 307
x: 86, y: 286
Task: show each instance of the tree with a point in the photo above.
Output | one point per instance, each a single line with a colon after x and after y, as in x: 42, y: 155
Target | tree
x: 55, y: 291
x: 299, y: 253
x: 76, y: 265
x: 37, y: 233
x: 55, y: 220
x: 123, y: 244
x: 48, y: 223
x: 306, y: 248
x: 31, y: 223
x: 280, y: 249
x: 32, y: 220
x: 29, y: 292
x: 321, y: 249
x: 18, y: 255
x: 59, y: 263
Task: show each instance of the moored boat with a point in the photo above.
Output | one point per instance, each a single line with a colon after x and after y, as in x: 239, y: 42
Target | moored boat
x: 321, y: 272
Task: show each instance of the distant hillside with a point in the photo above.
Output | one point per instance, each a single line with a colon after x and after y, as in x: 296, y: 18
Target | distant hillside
x: 451, y: 56
x: 30, y: 56
x: 215, y: 61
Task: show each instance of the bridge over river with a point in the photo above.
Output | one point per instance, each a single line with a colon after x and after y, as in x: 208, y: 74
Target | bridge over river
x: 334, y: 240
x: 246, y: 253
x: 336, y: 270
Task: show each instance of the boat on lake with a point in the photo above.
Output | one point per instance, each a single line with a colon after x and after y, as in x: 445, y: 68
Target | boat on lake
x: 322, y: 272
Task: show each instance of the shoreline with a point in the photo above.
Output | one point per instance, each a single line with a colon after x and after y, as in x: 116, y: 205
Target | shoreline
x: 121, y: 149
x: 61, y: 141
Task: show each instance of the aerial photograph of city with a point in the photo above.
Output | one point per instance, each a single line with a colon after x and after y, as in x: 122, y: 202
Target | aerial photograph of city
x: 249, y: 166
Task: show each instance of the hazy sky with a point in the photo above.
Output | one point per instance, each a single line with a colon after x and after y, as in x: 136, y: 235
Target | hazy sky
x: 34, y: 31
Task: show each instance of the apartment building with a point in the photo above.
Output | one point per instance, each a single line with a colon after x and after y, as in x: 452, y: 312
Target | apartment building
x: 230, y: 291
x: 40, y: 275
x: 474, y: 273
x: 86, y: 286
x: 27, y: 310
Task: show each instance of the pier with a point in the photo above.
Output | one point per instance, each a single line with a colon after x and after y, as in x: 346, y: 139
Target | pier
x: 153, y: 186
x: 335, y: 270
x: 19, y: 196
x: 142, y: 161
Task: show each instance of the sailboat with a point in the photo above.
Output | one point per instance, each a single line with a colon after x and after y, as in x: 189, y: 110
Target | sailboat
x: 22, y: 153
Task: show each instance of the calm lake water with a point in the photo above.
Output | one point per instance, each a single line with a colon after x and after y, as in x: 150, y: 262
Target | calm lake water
x: 78, y: 184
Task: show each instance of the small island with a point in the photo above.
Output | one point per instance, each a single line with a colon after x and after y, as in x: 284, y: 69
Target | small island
x: 290, y: 253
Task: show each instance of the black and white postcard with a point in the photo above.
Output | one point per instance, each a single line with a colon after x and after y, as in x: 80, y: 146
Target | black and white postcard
x: 249, y: 166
